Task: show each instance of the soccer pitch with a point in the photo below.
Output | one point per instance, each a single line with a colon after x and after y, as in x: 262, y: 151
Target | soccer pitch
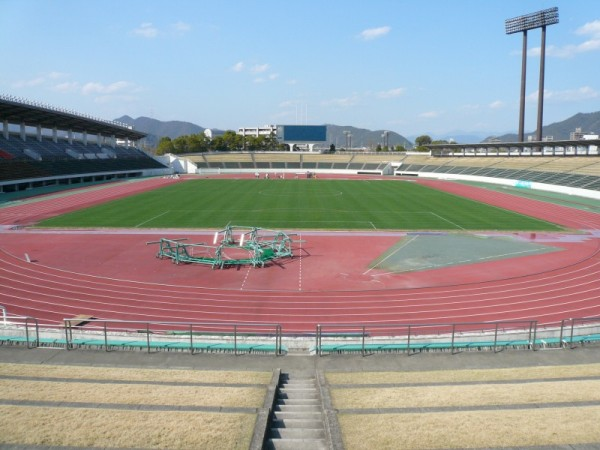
x: 299, y: 204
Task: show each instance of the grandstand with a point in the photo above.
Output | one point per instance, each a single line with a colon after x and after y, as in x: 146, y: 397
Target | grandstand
x: 581, y: 172
x: 44, y: 146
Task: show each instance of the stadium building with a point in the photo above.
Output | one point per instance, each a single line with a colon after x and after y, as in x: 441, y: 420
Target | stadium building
x: 41, y: 145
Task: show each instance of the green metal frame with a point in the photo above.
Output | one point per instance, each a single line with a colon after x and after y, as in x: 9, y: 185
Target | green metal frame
x: 260, y: 247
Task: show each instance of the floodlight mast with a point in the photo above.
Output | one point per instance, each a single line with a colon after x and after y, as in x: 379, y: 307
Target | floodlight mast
x: 539, y: 19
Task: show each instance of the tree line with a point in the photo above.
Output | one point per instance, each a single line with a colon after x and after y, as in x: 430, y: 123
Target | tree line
x: 230, y: 141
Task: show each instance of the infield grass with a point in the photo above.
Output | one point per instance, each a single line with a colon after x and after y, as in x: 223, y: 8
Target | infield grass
x: 299, y: 204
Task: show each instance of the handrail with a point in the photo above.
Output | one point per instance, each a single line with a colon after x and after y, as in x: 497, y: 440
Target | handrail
x: 231, y: 329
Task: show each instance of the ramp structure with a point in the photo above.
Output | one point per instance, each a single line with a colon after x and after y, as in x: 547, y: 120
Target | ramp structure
x: 254, y: 246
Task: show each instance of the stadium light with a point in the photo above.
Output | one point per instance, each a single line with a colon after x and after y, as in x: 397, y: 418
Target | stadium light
x: 539, y: 19
x: 530, y: 21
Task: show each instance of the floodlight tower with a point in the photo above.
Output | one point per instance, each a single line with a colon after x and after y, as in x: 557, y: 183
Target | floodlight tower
x: 538, y: 19
x: 348, y: 139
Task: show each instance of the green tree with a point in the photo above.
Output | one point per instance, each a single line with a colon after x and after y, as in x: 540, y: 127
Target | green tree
x: 165, y: 145
x: 423, y: 140
x: 198, y: 143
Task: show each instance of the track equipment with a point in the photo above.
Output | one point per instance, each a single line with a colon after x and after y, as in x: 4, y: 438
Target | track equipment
x: 255, y: 246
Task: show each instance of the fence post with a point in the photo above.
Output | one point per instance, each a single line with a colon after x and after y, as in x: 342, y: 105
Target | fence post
x: 191, y: 340
x: 318, y: 339
x: 105, y: 337
x: 148, y: 336
x: 534, y: 334
x: 67, y: 333
x: 363, y: 341
x: 235, y: 340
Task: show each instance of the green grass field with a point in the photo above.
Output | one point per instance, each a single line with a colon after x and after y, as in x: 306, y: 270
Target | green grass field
x: 299, y: 204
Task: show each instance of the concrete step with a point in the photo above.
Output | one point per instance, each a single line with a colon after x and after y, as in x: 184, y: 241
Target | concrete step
x: 297, y: 423
x: 296, y: 444
x: 298, y: 393
x: 298, y: 401
x: 305, y: 415
x: 305, y: 394
x: 297, y: 408
x: 299, y: 433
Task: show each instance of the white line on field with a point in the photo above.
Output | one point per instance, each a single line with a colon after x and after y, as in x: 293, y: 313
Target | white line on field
x: 394, y: 252
x: 449, y: 221
x: 150, y: 220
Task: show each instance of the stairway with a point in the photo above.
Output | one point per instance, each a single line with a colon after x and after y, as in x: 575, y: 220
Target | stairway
x: 297, y: 422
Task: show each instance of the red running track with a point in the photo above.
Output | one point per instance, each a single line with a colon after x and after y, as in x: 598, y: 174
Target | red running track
x: 114, y: 275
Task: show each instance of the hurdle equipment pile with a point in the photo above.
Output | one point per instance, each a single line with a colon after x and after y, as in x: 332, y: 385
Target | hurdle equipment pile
x: 255, y: 246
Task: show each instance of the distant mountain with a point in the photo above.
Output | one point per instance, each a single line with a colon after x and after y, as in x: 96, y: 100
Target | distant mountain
x: 364, y: 138
x: 157, y: 129
x: 588, y: 122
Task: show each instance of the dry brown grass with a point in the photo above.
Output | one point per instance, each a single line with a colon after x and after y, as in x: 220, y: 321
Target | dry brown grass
x: 453, y: 376
x: 124, y: 429
x: 140, y: 394
x: 127, y: 374
x: 472, y: 429
x: 467, y: 395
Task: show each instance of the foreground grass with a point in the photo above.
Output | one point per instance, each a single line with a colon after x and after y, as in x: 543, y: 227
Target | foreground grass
x: 476, y: 408
x: 128, y: 374
x: 456, y: 396
x: 472, y: 429
x: 299, y: 204
x: 111, y: 425
x: 124, y: 429
x: 133, y: 394
x: 471, y: 375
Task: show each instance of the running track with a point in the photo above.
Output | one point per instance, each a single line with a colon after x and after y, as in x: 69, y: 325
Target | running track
x: 114, y: 275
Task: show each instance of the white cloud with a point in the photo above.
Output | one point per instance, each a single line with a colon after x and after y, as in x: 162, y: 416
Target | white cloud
x: 391, y: 93
x: 238, y: 67
x: 568, y: 95
x: 38, y: 81
x: 99, y: 88
x: 374, y: 33
x: 497, y: 104
x: 429, y: 114
x: 259, y: 68
x: 67, y: 86
x: 590, y: 30
x: 343, y: 102
x: 146, y: 30
x: 181, y: 27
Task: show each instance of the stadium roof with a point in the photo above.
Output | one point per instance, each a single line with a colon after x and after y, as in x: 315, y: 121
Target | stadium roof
x: 19, y: 111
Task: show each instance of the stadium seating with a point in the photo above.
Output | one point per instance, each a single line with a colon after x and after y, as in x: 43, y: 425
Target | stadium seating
x: 33, y: 159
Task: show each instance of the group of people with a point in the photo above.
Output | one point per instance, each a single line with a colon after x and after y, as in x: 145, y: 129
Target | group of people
x: 267, y: 176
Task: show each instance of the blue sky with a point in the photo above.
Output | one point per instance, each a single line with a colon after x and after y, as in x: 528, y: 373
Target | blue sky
x: 432, y: 66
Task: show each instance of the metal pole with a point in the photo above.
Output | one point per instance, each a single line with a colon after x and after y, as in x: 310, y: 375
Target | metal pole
x: 363, y: 341
x: 148, y: 336
x: 105, y: 337
x: 191, y: 340
x: 523, y: 80
x: 67, y: 327
x: 235, y: 340
x: 317, y: 343
x: 538, y: 134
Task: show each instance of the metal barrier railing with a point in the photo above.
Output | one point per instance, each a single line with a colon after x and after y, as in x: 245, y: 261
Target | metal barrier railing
x: 235, y: 331
x: 438, y: 335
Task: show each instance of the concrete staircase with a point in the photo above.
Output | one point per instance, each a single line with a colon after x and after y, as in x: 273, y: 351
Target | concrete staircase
x: 297, y: 422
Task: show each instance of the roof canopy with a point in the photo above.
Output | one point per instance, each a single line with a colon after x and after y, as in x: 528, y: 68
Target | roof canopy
x: 15, y: 111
